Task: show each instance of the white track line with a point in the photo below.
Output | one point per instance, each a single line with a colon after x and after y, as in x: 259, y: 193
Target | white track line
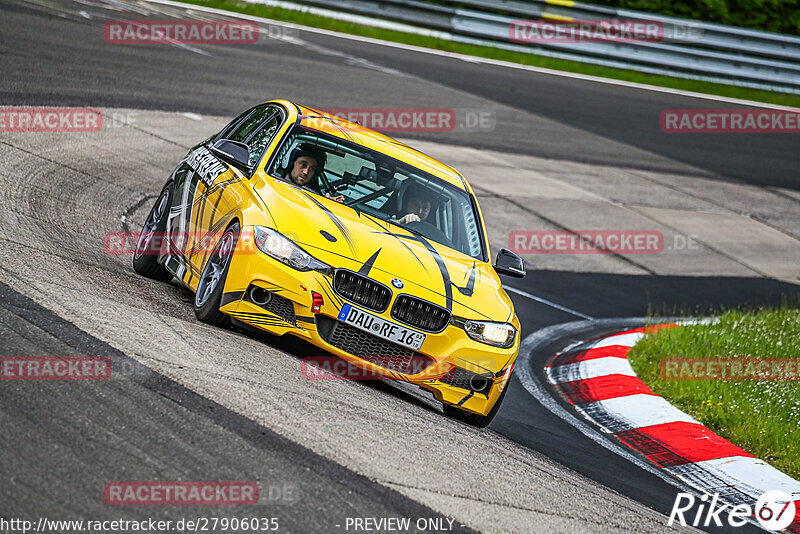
x: 547, y: 302
x: 480, y: 60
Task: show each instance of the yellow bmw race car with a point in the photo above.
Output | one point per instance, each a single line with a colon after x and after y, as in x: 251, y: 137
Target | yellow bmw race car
x: 297, y: 222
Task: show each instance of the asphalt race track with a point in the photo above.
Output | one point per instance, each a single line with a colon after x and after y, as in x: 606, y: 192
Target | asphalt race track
x: 198, y: 403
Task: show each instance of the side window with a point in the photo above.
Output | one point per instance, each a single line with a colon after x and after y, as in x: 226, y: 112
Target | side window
x: 248, y: 126
x: 232, y: 126
x: 259, y: 139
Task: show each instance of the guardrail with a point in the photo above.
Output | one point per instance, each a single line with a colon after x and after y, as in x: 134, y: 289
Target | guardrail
x: 686, y: 48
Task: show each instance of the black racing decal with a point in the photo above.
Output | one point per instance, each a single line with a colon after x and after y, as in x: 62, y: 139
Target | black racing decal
x: 193, y: 220
x: 467, y: 290
x: 338, y: 222
x: 383, y: 225
x: 211, y: 223
x: 383, y: 228
x: 365, y: 269
x: 254, y: 314
x: 232, y: 296
x: 186, y: 183
x: 202, y: 201
x: 397, y: 236
x: 448, y: 290
x: 501, y: 372
x: 266, y: 320
x: 276, y: 324
x: 448, y: 285
x: 266, y: 207
x: 271, y: 288
x: 465, y: 399
x: 303, y: 319
x: 328, y: 236
x: 206, y: 165
x: 222, y: 185
x: 335, y: 298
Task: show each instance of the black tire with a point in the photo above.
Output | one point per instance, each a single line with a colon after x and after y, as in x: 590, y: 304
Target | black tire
x: 473, y: 419
x: 212, y: 281
x: 145, y: 257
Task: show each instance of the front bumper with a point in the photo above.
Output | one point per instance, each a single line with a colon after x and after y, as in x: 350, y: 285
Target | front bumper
x: 289, y: 311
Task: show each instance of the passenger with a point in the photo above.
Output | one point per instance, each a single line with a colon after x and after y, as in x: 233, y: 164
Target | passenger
x: 416, y: 205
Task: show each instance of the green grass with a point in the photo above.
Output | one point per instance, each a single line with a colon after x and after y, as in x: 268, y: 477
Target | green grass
x: 761, y: 417
x: 308, y: 19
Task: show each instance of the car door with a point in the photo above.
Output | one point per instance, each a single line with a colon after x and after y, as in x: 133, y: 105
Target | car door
x: 206, y: 189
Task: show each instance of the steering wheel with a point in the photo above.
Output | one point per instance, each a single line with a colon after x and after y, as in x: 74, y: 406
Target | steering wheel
x: 430, y: 231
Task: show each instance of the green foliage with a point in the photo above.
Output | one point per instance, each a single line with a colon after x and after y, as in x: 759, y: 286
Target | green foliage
x: 762, y: 417
x: 780, y: 16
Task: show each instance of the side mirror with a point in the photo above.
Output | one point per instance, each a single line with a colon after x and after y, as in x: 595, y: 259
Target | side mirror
x: 233, y: 152
x: 509, y: 263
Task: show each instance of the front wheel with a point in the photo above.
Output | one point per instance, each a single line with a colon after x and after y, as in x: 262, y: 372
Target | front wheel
x: 473, y: 419
x: 212, y: 281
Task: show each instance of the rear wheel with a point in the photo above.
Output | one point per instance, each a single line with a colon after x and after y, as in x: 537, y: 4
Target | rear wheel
x: 473, y: 419
x: 152, y: 238
x: 212, y: 281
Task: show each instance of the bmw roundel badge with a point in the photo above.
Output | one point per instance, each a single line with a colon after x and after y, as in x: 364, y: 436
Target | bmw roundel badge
x: 397, y: 283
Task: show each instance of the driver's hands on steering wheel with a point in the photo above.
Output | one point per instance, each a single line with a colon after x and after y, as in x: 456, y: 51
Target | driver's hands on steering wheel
x: 408, y: 218
x: 337, y: 198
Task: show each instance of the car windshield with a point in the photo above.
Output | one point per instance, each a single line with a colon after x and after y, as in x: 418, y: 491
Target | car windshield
x: 386, y: 188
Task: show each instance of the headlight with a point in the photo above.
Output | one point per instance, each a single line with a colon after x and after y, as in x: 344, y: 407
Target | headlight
x: 275, y: 245
x: 497, y: 334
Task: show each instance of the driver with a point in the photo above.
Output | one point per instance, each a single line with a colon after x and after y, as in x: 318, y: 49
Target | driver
x: 416, y: 205
x: 305, y: 165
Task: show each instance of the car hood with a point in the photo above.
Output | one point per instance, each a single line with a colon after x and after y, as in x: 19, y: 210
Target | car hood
x: 342, y: 237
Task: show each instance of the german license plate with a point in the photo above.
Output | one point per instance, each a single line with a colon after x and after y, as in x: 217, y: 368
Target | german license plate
x: 381, y: 327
